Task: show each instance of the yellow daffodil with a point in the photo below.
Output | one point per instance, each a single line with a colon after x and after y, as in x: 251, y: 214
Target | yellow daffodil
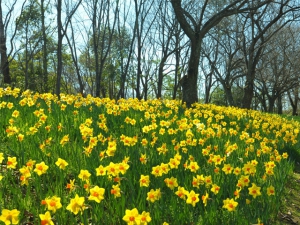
x: 116, y: 191
x: 157, y: 171
x: 84, y: 175
x: 181, y: 192
x: 122, y: 167
x: 243, y: 181
x: 271, y: 190
x: 145, y: 218
x: 143, y: 159
x: 205, y: 198
x: 100, y: 171
x: 10, y: 216
x: 132, y: 217
x: 254, y: 190
x: 153, y: 195
x: 20, y: 137
x: 144, y: 181
x: 193, y: 166
x: 112, y: 169
x: 285, y: 155
x: 230, y: 204
x: 64, y: 140
x: 41, y: 168
x: 53, y: 203
x: 192, y: 198
x: 76, y: 205
x: 227, y: 169
x: 1, y: 157
x: 71, y: 185
x: 96, y: 194
x: 215, y: 189
x: 11, y: 162
x: 171, y: 182
x: 61, y: 163
x: 15, y: 113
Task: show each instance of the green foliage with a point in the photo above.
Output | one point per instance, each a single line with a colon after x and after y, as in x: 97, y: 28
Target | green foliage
x: 143, y: 135
x: 218, y: 96
x: 118, y: 45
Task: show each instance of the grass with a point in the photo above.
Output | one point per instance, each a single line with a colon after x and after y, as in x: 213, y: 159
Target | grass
x: 290, y: 208
x: 88, y: 160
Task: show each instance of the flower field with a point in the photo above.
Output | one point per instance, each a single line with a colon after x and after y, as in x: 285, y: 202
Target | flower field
x: 75, y: 160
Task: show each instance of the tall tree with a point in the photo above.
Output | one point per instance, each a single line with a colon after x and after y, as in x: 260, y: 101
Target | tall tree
x: 59, y: 47
x: 278, y: 72
x: 125, y: 56
x: 72, y: 46
x: 45, y: 53
x: 196, y: 24
x: 222, y: 51
x: 4, y: 21
x: 3, y: 50
x: 259, y: 27
x: 294, y: 100
x: 30, y: 44
x: 61, y: 32
x: 166, y: 27
x: 103, y: 17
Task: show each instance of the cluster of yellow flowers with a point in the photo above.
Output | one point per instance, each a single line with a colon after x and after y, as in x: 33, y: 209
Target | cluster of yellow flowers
x: 157, y: 146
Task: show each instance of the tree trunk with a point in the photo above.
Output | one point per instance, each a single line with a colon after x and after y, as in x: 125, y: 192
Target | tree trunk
x: 3, y: 50
x: 177, y: 66
x: 139, y: 65
x: 271, y: 104
x: 229, y: 96
x: 161, y: 75
x: 279, y: 105
x: 189, y: 82
x: 248, y: 92
x: 250, y: 75
x: 75, y: 60
x: 59, y: 49
x: 45, y: 56
x: 208, y: 86
x: 26, y: 69
x: 294, y: 102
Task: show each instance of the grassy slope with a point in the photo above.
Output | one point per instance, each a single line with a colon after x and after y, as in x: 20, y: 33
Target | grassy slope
x: 290, y: 210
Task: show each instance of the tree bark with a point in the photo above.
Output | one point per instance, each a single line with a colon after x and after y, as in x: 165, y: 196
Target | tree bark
x: 189, y: 82
x: 177, y: 63
x: 3, y: 51
x: 294, y: 102
x: 59, y: 48
x: 45, y: 54
x: 279, y: 105
x: 72, y: 47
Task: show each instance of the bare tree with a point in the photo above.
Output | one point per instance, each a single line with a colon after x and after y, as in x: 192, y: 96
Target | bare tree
x: 294, y: 100
x: 125, y: 59
x: 222, y: 51
x: 196, y: 23
x: 4, y: 22
x: 141, y: 9
x: 259, y: 26
x: 165, y: 27
x: 73, y: 49
x: 103, y: 16
x: 61, y: 32
x: 278, y: 72
x: 45, y: 53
